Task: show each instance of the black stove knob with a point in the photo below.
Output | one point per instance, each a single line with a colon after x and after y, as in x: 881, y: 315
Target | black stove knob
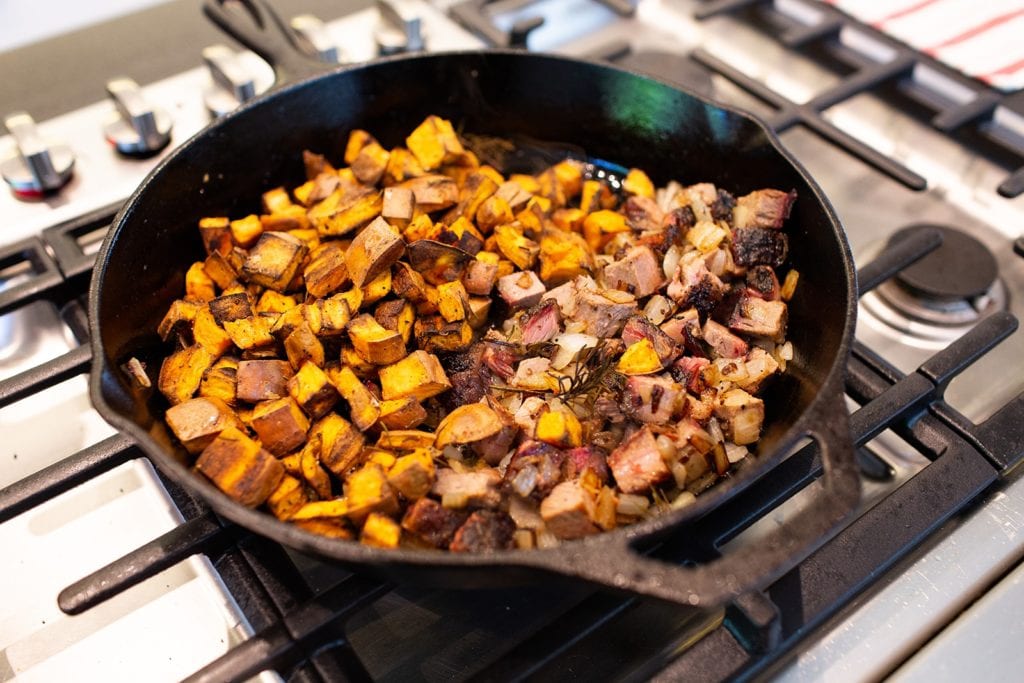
x: 137, y: 128
x: 231, y: 82
x: 399, y: 29
x: 36, y: 167
x: 314, y: 38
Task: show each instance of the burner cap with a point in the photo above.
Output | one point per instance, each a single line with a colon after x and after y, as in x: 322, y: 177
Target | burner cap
x: 961, y: 268
x: 670, y: 67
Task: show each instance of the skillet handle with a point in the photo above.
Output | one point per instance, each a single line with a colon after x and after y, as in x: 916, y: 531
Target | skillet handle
x: 614, y: 560
x: 256, y: 25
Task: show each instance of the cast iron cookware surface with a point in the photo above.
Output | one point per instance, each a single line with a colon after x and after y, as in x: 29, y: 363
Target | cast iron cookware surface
x: 602, y: 111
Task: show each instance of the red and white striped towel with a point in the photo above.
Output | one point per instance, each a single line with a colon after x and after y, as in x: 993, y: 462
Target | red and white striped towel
x: 981, y: 38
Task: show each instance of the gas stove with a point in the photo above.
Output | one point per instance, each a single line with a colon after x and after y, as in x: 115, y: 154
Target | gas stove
x: 924, y: 167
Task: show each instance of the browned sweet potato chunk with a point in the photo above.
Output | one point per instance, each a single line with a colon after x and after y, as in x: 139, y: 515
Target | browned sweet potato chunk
x: 281, y: 425
x: 197, y: 421
x: 239, y: 467
x: 287, y: 498
x: 433, y: 192
x: 311, y: 389
x: 373, y: 251
x: 326, y: 270
x: 231, y: 307
x: 434, y: 143
x: 341, y: 444
x: 374, y: 343
x: 302, y: 346
x: 221, y: 381
x: 413, y: 474
x: 263, y: 380
x: 402, y: 413
x: 380, y: 531
x: 363, y: 406
x: 338, y: 215
x: 182, y: 371
x: 367, y: 490
x: 419, y: 375
x: 275, y: 260
x: 370, y: 163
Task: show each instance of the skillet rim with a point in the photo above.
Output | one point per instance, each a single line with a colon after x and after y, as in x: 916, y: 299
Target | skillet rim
x: 552, y: 559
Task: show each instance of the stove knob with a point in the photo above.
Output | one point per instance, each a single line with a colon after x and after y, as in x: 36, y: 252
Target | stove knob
x: 138, y: 128
x: 314, y: 38
x: 399, y: 28
x: 232, y: 83
x: 36, y: 168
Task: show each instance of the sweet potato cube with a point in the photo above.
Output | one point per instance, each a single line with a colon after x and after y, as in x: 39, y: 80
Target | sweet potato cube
x: 240, y: 468
x: 563, y: 257
x: 637, y: 182
x: 281, y: 425
x: 302, y: 346
x: 290, y: 219
x: 231, y: 307
x: 330, y: 528
x: 340, y: 443
x: 493, y: 211
x: 433, y: 192
x: 179, y: 319
x: 373, y: 251
x: 399, y: 204
x: 313, y: 473
x: 479, y: 309
x: 263, y: 380
x: 287, y: 498
x: 216, y: 234
x: 312, y: 390
x: 377, y: 288
x: 397, y: 315
x: 639, y: 358
x: 275, y: 260
x: 401, y: 166
x: 327, y: 317
x: 335, y: 508
x: 560, y: 428
x: 182, y: 372
x: 197, y: 421
x: 433, y: 333
x: 246, y: 231
x: 375, y: 344
x: 326, y: 270
x: 248, y: 333
x: 517, y: 248
x: 275, y: 302
x: 208, y: 334
x: 364, y: 410
x: 357, y: 139
x: 408, y: 283
x: 401, y: 413
x: 350, y: 358
x: 221, y: 380
x: 419, y: 375
x: 198, y: 285
x: 370, y: 164
x: 434, y: 142
x: 219, y: 269
x: 337, y: 216
x: 453, y: 300
x: 380, y: 531
x: 405, y: 440
x: 275, y: 200
x: 413, y: 475
x: 367, y: 490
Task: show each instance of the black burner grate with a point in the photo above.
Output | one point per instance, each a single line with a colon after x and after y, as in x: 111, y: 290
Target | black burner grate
x: 972, y: 115
x: 547, y: 632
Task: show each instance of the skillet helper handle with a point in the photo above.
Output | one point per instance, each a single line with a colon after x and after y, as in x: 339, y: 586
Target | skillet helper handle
x: 256, y: 25
x: 619, y: 565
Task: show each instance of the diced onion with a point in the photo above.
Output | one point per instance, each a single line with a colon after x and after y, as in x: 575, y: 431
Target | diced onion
x: 631, y: 505
x: 735, y: 453
x: 569, y: 346
x: 657, y: 309
x: 683, y: 499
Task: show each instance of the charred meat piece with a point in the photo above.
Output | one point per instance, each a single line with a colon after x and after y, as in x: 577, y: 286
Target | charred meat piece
x: 602, y: 316
x: 694, y: 286
x: 639, y: 327
x: 722, y: 207
x: 759, y: 317
x: 762, y: 282
x: 431, y: 521
x: 568, y: 510
x: 579, y: 460
x: 688, y: 371
x: 542, y: 322
x: 651, y: 398
x: 763, y: 209
x: 484, y: 530
x: 535, y: 469
x: 724, y: 343
x: 759, y: 246
x: 637, y: 464
x: 643, y: 213
x: 468, y: 489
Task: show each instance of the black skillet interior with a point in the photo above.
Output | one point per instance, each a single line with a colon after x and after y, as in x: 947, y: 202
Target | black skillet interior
x: 604, y: 112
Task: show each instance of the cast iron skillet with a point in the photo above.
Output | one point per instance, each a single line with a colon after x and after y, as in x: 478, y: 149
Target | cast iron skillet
x: 611, y: 114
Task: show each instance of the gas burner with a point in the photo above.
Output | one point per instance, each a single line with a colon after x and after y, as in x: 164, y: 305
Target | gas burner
x: 943, y: 294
